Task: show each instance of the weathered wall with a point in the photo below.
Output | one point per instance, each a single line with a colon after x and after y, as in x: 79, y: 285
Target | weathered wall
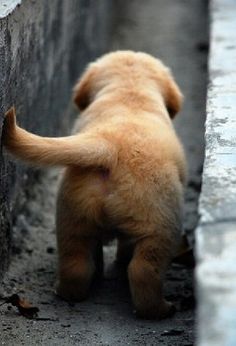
x: 44, y: 45
x: 216, y: 234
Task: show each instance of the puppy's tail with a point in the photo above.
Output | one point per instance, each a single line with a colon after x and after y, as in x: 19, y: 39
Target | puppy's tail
x: 81, y: 150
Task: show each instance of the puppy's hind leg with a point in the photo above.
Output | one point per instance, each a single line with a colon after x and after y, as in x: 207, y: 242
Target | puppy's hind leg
x: 146, y: 269
x: 80, y: 259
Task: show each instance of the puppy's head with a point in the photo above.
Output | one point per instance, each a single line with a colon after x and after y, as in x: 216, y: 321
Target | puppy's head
x: 127, y: 68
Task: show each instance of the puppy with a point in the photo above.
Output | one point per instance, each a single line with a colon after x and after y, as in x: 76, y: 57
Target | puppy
x: 124, y: 176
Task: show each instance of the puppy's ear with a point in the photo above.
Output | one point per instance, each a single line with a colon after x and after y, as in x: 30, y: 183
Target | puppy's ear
x: 172, y: 96
x: 84, y: 90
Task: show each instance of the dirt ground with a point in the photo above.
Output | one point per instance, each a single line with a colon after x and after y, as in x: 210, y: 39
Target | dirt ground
x: 175, y: 31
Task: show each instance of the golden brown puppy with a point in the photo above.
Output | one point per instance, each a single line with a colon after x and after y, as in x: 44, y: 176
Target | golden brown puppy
x: 125, y: 172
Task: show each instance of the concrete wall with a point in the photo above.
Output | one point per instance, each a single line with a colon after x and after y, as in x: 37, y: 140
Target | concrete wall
x: 44, y: 45
x: 216, y: 234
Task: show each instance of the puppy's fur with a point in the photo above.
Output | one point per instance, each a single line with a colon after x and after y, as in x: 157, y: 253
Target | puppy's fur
x: 124, y: 176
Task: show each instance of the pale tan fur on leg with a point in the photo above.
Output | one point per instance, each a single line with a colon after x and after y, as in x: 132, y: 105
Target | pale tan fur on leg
x: 80, y: 255
x: 146, y: 270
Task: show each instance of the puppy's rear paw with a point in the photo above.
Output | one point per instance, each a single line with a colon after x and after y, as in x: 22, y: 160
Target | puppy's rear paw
x: 165, y: 310
x: 71, y: 292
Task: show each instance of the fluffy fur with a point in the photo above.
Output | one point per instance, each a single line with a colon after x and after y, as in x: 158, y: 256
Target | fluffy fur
x: 124, y: 176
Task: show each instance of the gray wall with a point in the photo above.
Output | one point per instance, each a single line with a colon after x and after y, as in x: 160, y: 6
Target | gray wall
x: 44, y: 45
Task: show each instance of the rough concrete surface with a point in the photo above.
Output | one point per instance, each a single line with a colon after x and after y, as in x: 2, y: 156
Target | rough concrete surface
x: 43, y: 47
x: 175, y: 31
x: 216, y: 234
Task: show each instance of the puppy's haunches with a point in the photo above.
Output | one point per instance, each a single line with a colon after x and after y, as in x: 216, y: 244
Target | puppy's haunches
x: 125, y: 171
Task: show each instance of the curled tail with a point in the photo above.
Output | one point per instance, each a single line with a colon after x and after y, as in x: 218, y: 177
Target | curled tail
x: 82, y: 149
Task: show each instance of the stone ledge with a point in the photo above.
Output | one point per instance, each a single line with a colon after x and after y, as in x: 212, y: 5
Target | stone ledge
x: 216, y: 275
x: 7, y: 7
x: 216, y: 234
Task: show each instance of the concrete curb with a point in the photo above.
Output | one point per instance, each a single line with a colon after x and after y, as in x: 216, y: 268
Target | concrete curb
x: 216, y: 234
x: 7, y: 7
x: 43, y: 48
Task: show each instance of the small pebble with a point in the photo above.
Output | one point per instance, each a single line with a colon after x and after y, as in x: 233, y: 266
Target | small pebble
x: 172, y: 332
